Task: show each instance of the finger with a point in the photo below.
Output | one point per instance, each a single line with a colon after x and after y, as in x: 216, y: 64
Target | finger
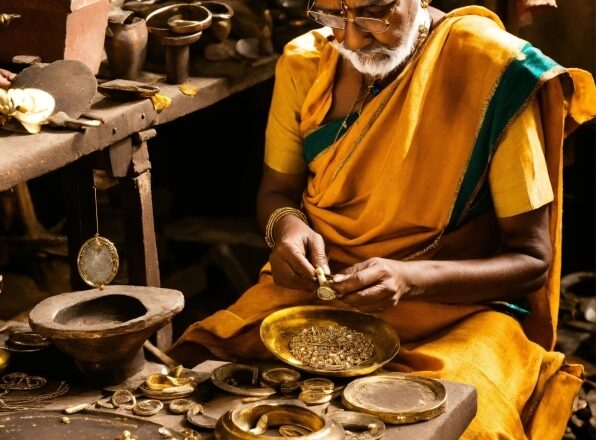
x: 296, y: 267
x: 363, y: 297
x: 4, y: 83
x: 316, y: 252
x: 357, y: 279
x: 284, y: 275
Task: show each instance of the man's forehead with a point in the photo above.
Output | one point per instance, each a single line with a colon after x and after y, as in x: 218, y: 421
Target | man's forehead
x: 351, y: 4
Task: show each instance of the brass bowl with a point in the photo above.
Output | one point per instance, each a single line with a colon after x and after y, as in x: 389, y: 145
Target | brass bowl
x: 236, y: 424
x: 187, y: 19
x: 278, y: 329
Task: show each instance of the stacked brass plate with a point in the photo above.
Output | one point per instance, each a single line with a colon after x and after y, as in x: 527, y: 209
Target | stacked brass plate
x: 279, y: 328
x: 396, y: 398
x: 359, y: 426
x: 263, y: 420
x: 316, y: 391
x: 240, y: 379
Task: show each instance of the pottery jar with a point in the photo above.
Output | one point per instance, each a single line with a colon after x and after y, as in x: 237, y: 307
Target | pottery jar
x: 126, y: 48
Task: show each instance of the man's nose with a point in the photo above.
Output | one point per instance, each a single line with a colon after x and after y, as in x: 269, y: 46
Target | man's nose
x: 355, y: 38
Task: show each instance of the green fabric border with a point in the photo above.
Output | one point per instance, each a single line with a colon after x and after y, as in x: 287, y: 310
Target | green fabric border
x: 515, y: 88
x: 324, y: 136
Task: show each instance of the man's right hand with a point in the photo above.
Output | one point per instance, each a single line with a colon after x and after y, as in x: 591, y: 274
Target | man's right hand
x: 5, y: 78
x: 298, y: 250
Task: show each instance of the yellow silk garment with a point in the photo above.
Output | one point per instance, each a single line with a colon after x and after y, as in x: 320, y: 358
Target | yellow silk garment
x: 390, y: 186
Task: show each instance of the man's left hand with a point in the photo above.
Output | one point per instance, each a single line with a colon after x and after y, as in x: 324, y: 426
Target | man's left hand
x: 371, y: 286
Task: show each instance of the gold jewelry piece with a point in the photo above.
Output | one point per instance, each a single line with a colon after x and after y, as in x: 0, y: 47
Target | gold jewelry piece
x: 104, y: 403
x: 32, y: 401
x: 124, y: 399
x: 274, y: 218
x: 98, y: 259
x: 331, y: 348
x: 324, y: 292
x: 181, y: 406
x: 147, y: 407
x: 127, y: 435
x: 190, y: 434
x: 344, y: 124
x: 22, y: 381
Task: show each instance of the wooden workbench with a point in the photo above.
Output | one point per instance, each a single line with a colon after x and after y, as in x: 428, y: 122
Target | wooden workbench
x: 119, y: 146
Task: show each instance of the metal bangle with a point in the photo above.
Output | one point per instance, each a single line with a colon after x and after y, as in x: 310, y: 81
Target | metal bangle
x: 274, y: 218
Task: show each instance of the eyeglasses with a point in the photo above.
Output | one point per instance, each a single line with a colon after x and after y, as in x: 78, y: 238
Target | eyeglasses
x: 366, y: 24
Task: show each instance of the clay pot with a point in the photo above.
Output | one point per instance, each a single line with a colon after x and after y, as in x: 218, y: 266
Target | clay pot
x: 126, y: 47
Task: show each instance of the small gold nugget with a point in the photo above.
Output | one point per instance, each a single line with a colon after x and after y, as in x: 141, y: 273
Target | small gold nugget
x: 331, y: 348
x: 324, y: 292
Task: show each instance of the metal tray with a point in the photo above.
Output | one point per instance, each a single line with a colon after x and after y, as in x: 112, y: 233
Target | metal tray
x: 52, y: 425
x: 396, y: 397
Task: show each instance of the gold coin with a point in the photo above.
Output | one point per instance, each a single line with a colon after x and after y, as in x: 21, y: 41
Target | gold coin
x: 326, y: 293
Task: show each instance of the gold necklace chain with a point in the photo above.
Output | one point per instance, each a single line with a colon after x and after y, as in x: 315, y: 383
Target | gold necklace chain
x: 344, y: 123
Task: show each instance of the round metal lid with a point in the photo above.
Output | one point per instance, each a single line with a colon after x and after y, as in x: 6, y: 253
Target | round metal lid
x: 396, y: 397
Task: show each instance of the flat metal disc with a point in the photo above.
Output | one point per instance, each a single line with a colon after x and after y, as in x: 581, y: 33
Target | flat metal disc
x: 396, y: 397
x: 98, y: 261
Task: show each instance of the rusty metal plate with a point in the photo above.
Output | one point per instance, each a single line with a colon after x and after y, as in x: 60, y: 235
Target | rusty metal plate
x: 97, y: 425
x: 70, y: 82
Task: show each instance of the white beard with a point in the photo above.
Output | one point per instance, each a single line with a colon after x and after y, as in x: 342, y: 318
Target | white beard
x: 379, y: 61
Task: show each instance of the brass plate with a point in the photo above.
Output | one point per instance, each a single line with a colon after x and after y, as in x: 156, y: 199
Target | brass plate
x: 98, y: 261
x: 90, y: 424
x: 396, y: 398
x: 278, y: 329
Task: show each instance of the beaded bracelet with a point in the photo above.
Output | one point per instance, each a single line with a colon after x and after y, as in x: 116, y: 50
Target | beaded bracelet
x: 273, y: 219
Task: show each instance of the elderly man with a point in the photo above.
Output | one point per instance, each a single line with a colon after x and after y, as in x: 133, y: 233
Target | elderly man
x: 417, y: 157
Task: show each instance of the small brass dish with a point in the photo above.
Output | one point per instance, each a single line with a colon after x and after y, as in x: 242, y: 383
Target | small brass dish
x: 274, y: 377
x: 278, y: 329
x: 240, y: 379
x: 358, y: 425
x: 396, y: 398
